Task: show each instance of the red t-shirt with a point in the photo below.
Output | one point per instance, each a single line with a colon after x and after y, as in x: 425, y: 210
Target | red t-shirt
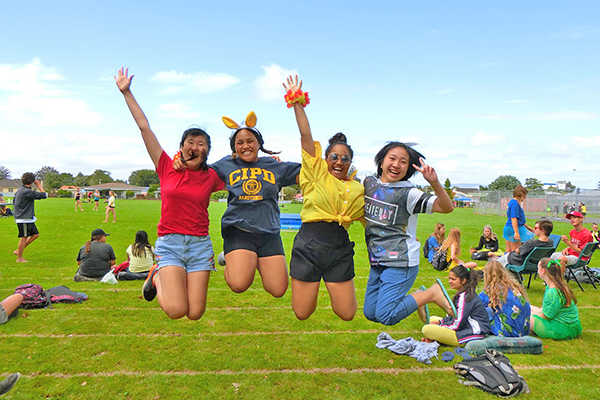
x: 185, y: 197
x: 579, y: 239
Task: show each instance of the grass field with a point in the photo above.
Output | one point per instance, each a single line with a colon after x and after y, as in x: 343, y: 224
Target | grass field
x: 247, y: 346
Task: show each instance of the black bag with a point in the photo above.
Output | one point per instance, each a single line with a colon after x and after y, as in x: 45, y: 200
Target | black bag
x: 480, y: 256
x: 426, y: 249
x: 492, y: 373
x: 439, y: 260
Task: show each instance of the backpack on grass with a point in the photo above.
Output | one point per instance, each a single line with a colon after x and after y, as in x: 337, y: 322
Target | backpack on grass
x: 440, y: 260
x: 33, y: 296
x: 426, y: 249
x: 492, y: 373
x: 62, y: 294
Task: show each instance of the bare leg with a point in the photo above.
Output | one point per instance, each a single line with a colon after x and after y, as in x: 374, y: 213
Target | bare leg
x: 343, y: 299
x: 240, y: 269
x: 197, y: 290
x: 433, y: 295
x: 304, y: 298
x: 171, y: 291
x: 11, y: 303
x: 273, y: 272
x: 106, y: 219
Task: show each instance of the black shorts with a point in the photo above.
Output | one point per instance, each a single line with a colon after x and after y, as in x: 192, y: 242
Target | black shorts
x: 263, y: 244
x: 27, y: 229
x: 322, y: 250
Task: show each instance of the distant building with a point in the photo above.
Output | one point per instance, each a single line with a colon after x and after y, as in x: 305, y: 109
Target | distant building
x: 8, y: 187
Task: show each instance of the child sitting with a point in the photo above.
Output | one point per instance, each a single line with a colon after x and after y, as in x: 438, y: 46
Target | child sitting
x: 471, y: 321
x: 558, y: 318
x: 141, y: 258
x: 435, y: 240
x: 489, y: 243
x: 452, y: 247
x: 506, y: 302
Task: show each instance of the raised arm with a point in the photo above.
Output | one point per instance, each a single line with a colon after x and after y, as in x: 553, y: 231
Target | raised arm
x: 124, y: 84
x: 443, y: 203
x: 306, y: 139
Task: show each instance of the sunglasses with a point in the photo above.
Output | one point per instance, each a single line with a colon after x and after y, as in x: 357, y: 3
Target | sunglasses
x: 334, y: 157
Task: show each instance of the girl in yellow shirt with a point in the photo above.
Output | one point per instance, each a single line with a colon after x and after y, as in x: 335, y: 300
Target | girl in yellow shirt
x: 332, y: 201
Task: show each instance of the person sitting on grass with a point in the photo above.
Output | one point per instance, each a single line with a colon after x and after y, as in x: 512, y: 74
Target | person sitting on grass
x: 471, y: 321
x: 558, y: 318
x: 95, y: 258
x: 452, y: 247
x: 140, y: 256
x: 436, y: 239
x: 506, y: 301
x: 487, y: 247
x: 543, y: 228
x: 576, y: 241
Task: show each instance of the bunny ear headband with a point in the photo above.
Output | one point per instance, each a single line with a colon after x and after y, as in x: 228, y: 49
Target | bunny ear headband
x: 249, y: 124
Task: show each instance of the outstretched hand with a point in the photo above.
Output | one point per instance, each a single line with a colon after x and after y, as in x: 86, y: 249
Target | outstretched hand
x: 292, y: 84
x: 122, y: 79
x: 427, y: 170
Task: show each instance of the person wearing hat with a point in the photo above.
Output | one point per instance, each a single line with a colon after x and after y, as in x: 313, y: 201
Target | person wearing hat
x: 95, y: 259
x: 576, y: 241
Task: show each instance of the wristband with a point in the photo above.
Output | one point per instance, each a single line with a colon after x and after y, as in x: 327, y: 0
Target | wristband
x: 297, y: 96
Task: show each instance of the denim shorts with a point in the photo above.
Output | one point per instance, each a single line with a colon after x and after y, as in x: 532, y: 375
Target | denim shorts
x: 192, y: 253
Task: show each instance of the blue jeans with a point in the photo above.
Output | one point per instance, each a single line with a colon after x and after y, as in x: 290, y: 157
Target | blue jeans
x: 131, y: 276
x: 386, y: 301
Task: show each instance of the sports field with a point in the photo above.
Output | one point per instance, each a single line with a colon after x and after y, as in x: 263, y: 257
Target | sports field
x: 247, y: 346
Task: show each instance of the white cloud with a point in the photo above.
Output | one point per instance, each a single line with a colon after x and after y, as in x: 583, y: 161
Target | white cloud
x: 35, y: 97
x: 486, y: 139
x: 445, y: 91
x: 196, y: 82
x: 269, y: 84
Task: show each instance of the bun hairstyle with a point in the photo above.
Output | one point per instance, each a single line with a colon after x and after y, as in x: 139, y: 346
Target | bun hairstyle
x: 413, y: 156
x: 338, y: 138
x: 250, y: 125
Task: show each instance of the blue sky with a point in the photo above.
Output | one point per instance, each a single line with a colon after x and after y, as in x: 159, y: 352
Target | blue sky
x: 485, y: 89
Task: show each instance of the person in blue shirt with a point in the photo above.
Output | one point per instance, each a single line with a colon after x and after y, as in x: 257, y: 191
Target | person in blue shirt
x: 516, y: 230
x: 436, y: 239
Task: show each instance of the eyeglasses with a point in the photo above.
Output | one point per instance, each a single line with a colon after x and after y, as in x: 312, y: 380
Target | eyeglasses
x: 536, y: 227
x: 334, y: 157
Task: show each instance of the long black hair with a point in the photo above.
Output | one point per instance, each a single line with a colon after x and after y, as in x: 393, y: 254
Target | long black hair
x: 470, y: 286
x: 138, y: 249
x: 413, y: 156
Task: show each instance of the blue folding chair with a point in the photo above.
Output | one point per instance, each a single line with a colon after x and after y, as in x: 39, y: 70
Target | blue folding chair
x: 530, y: 263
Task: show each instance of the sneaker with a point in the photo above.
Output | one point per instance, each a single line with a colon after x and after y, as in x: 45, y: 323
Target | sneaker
x: 9, y: 382
x: 149, y: 290
x: 221, y: 259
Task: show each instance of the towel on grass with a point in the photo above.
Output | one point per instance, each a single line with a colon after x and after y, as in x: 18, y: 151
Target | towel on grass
x: 421, y: 351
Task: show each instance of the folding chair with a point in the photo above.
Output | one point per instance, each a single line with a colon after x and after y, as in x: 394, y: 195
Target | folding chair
x: 530, y: 263
x: 587, y: 253
x: 555, y: 238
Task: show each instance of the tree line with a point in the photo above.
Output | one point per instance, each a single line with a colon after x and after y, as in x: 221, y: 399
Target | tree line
x: 53, y: 179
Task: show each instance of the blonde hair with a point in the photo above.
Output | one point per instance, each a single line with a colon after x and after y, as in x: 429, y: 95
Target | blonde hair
x: 437, y: 233
x: 453, y: 238
x: 497, y: 281
x: 492, y: 234
x: 554, y: 270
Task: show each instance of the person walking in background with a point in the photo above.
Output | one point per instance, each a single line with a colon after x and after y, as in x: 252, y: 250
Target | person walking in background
x: 96, y: 199
x: 24, y: 211
x: 110, y: 207
x: 78, y: 201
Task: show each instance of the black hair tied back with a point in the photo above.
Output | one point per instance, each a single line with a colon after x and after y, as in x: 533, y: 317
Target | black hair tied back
x: 338, y: 138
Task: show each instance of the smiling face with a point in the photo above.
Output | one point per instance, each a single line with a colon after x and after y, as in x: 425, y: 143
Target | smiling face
x: 195, y: 151
x: 246, y: 146
x: 394, y: 165
x: 338, y: 161
x: 454, y: 281
x: 487, y: 232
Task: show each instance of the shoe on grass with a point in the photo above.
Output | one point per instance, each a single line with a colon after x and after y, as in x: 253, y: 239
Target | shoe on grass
x: 9, y: 382
x: 221, y: 259
x: 149, y: 290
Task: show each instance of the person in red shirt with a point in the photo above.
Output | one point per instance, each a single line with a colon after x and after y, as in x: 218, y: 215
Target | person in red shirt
x: 576, y: 241
x: 184, y: 250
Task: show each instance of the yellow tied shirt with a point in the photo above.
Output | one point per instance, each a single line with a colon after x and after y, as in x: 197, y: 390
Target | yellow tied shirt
x: 327, y: 198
